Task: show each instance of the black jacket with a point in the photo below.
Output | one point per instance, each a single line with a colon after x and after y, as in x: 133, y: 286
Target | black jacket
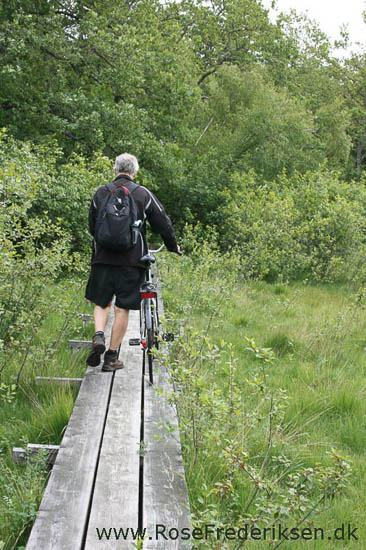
x: 149, y: 208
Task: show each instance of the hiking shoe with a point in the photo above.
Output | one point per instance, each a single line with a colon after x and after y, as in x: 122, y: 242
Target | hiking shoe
x: 112, y: 363
x: 98, y: 349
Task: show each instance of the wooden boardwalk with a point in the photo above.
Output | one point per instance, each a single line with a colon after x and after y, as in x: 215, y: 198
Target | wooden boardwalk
x: 117, y: 469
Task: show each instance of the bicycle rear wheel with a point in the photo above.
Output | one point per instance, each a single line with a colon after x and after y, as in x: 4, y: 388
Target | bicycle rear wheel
x: 149, y: 324
x: 150, y: 356
x: 151, y: 364
x: 155, y: 318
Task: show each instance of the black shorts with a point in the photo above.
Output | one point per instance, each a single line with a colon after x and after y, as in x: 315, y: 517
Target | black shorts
x: 106, y: 281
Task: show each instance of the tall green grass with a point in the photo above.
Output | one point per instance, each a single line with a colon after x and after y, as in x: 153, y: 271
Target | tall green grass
x: 38, y: 413
x: 317, y: 334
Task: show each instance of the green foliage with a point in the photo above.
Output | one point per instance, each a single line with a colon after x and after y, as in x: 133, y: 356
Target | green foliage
x: 315, y: 76
x: 35, y: 244
x: 354, y: 76
x: 7, y: 392
x: 184, y: 297
x: 33, y: 417
x: 48, y: 420
x: 239, y: 30
x: 308, y: 224
x: 49, y: 196
x: 230, y: 117
x: 256, y: 125
x: 21, y: 492
x: 117, y: 75
x: 280, y: 343
x: 31, y: 413
x: 148, y: 77
x: 247, y: 458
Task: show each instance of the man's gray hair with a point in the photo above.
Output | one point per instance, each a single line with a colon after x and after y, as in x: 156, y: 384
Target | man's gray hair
x: 126, y: 163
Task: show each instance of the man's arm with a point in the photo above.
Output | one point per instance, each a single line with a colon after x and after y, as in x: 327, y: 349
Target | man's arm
x: 161, y: 223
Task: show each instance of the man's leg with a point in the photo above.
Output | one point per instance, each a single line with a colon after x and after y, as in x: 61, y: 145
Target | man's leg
x: 98, y: 348
x: 101, y: 317
x: 119, y: 327
x: 120, y: 323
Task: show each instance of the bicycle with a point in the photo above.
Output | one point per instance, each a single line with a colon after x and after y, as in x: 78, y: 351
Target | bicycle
x: 149, y: 316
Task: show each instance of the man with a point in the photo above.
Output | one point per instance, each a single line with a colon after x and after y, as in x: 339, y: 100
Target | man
x: 121, y: 273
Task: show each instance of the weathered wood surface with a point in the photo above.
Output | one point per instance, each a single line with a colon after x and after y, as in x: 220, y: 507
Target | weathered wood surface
x: 165, y: 491
x: 116, y: 494
x: 97, y: 479
x: 58, y: 380
x: 20, y: 454
x: 86, y: 318
x: 64, y: 510
x: 165, y: 500
x: 75, y: 345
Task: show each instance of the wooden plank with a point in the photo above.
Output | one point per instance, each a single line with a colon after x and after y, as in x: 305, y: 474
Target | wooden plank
x: 20, y: 454
x: 58, y: 380
x: 116, y: 493
x: 165, y: 492
x: 64, y: 510
x: 75, y: 345
x: 85, y: 318
x: 165, y: 500
x: 52, y: 450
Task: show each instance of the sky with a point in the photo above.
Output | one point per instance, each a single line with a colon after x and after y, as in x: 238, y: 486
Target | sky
x: 330, y: 14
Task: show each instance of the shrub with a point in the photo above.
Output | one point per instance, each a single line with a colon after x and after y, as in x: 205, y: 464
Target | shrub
x: 34, y: 250
x: 240, y: 464
x: 46, y: 187
x: 310, y: 225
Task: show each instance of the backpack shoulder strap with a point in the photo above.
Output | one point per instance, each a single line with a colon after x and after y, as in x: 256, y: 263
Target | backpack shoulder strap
x: 131, y: 186
x: 110, y: 186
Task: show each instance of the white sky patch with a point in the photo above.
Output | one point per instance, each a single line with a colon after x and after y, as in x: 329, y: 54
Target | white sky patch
x: 330, y: 15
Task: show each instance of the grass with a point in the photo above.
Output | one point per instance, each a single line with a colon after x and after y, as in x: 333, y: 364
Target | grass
x: 317, y: 333
x: 38, y: 413
x: 321, y: 363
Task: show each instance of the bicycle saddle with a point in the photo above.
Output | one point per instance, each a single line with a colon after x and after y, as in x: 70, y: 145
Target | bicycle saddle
x: 147, y: 258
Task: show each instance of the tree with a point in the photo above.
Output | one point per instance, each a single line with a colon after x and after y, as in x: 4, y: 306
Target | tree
x: 257, y: 125
x: 354, y: 89
x: 221, y: 32
x: 305, y: 64
x: 96, y: 75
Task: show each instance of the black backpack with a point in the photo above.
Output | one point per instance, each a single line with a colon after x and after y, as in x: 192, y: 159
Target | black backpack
x: 117, y: 224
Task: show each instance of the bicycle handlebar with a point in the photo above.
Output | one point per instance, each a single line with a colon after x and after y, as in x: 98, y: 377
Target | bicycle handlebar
x: 157, y: 250
x: 161, y: 248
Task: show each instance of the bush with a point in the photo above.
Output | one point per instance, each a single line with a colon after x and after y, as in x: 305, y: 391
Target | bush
x: 240, y: 466
x: 34, y: 249
x: 43, y: 186
x: 310, y: 225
